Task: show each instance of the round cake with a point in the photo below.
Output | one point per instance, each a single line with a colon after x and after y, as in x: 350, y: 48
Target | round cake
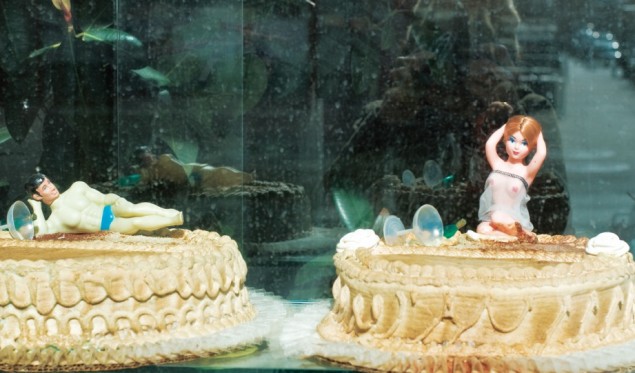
x: 260, y: 211
x: 473, y: 305
x: 108, y: 301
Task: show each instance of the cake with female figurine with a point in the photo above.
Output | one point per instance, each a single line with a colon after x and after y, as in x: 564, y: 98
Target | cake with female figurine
x: 502, y: 298
x: 548, y: 206
x: 103, y: 284
x: 476, y: 304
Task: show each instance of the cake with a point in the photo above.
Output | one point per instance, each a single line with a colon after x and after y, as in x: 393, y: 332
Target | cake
x: 257, y: 212
x: 108, y: 301
x: 479, y: 305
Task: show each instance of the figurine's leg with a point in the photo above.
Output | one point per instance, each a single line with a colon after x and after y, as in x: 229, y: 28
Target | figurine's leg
x: 507, y: 228
x: 124, y: 208
x: 503, y: 222
x: 487, y: 227
x: 145, y: 223
x: 525, y: 235
x: 484, y: 228
x: 516, y: 230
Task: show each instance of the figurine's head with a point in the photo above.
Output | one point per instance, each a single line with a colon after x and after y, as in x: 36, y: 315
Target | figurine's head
x: 41, y: 189
x: 143, y: 156
x: 528, y: 127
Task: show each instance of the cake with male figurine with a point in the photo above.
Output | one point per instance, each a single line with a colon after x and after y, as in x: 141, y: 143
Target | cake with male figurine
x: 502, y: 298
x: 103, y: 283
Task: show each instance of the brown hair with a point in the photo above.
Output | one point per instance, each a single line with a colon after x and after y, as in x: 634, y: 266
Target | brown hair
x: 526, y: 125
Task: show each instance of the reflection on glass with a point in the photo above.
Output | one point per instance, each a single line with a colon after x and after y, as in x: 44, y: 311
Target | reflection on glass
x: 287, y: 124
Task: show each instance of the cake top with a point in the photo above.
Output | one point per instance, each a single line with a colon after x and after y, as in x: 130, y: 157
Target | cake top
x: 465, y: 260
x: 61, y: 246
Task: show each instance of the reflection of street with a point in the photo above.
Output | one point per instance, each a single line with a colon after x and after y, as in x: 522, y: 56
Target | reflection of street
x: 598, y: 140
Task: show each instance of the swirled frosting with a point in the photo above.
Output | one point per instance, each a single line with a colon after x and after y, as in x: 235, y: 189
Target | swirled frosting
x: 359, y: 239
x: 117, y: 298
x: 607, y: 243
x: 486, y: 300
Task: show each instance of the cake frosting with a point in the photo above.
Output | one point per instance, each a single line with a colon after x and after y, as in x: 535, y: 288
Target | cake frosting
x: 478, y: 305
x: 359, y: 239
x: 106, y: 301
x: 607, y: 243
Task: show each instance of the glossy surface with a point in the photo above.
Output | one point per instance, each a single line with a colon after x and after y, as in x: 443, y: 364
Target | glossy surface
x: 326, y: 103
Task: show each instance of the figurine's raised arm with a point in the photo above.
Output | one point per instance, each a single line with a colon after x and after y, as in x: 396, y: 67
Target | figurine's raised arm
x: 84, y: 209
x: 94, y: 195
x: 490, y: 148
x: 538, y: 159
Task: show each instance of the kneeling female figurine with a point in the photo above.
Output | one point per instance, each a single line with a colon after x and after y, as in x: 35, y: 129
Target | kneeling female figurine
x: 503, y: 204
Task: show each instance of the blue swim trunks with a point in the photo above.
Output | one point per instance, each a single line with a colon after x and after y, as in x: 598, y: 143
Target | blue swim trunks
x: 106, y: 218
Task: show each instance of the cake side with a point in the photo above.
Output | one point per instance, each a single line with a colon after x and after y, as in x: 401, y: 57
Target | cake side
x: 478, y: 299
x: 111, y: 301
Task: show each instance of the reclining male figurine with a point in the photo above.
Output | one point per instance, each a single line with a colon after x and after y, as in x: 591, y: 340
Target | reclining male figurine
x: 82, y: 209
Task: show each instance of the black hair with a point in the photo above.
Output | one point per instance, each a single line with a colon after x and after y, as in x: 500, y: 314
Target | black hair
x: 33, y: 183
x: 139, y: 153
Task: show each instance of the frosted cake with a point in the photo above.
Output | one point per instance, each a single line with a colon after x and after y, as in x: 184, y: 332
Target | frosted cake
x: 107, y: 301
x: 479, y: 305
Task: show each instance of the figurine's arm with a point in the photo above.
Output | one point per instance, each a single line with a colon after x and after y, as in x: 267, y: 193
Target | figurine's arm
x: 40, y: 221
x: 94, y: 195
x: 490, y: 148
x: 171, y: 169
x: 110, y: 198
x: 538, y: 159
x: 63, y: 218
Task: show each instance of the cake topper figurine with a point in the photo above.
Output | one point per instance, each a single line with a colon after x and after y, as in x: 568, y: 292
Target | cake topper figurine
x: 82, y: 209
x: 503, y: 204
x: 165, y: 168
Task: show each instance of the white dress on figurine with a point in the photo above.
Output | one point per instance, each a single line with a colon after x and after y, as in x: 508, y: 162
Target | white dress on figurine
x: 505, y: 192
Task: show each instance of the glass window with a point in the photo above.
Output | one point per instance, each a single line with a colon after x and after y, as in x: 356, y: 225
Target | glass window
x: 286, y: 124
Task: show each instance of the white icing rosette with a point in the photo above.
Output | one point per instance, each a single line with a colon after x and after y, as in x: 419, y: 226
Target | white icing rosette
x: 607, y: 243
x: 359, y: 239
